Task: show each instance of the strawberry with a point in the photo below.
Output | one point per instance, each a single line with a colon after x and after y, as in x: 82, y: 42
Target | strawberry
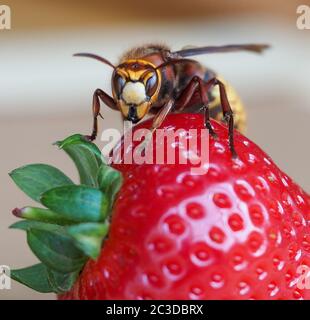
x: 239, y: 231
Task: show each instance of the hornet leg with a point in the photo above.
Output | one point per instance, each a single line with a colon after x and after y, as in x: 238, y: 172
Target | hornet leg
x: 187, y: 94
x: 109, y: 101
x: 157, y: 121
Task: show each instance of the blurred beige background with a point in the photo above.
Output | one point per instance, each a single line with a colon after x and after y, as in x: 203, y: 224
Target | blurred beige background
x: 45, y: 94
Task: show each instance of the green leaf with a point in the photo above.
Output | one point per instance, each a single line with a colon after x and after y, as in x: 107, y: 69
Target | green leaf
x: 34, y: 277
x: 72, y: 227
x: 86, y: 156
x: 41, y: 214
x: 56, y: 250
x: 34, y: 179
x: 78, y: 139
x: 27, y: 225
x: 109, y: 181
x: 61, y: 282
x: 77, y: 203
x: 88, y: 237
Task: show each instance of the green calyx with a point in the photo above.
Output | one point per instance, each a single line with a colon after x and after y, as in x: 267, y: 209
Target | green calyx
x: 74, y: 221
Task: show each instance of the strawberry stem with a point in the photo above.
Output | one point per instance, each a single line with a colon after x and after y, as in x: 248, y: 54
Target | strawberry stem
x: 75, y: 220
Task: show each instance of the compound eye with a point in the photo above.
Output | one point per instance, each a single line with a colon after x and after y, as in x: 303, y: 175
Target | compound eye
x: 118, y: 84
x: 151, y: 85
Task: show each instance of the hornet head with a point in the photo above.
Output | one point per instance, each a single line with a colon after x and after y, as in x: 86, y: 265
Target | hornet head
x: 135, y: 87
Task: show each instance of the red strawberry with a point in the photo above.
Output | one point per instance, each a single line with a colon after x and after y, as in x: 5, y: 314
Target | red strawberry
x: 241, y: 231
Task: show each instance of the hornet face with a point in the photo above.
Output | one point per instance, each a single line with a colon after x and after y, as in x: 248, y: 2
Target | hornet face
x: 135, y: 87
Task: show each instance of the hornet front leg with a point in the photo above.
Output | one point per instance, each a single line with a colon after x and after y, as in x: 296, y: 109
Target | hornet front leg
x: 157, y: 121
x: 109, y: 101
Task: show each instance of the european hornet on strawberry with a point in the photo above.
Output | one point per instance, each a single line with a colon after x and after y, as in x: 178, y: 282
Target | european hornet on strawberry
x: 154, y: 79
